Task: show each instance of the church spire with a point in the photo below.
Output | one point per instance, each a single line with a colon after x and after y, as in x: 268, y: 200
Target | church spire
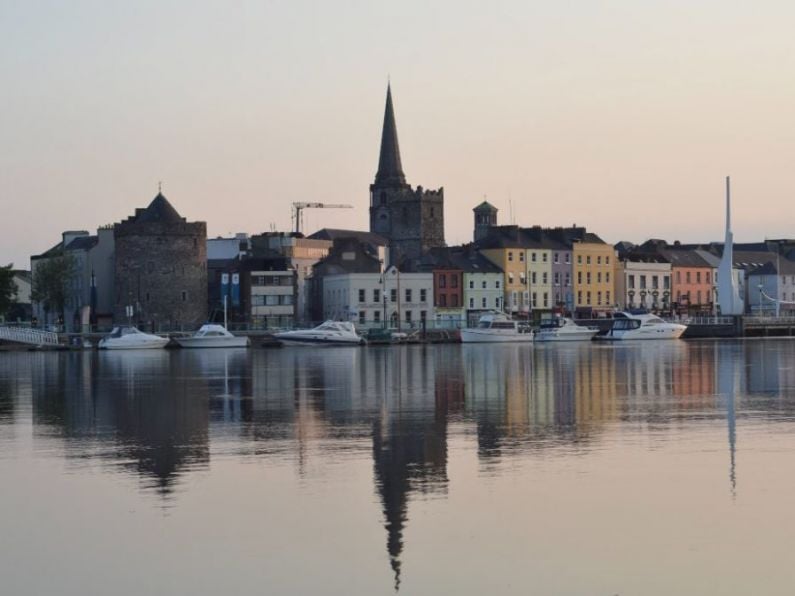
x: 390, y: 170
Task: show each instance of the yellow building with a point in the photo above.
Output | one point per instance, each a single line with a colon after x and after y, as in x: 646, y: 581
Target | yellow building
x: 593, y: 277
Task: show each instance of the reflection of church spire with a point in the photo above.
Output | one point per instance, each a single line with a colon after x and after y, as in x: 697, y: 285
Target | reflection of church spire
x: 728, y: 371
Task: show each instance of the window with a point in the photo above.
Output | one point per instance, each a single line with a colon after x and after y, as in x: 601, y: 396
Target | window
x: 483, y: 283
x: 557, y: 278
x: 408, y: 294
x: 471, y: 303
x: 546, y: 299
x: 147, y: 296
x: 442, y: 280
x: 393, y: 295
x: 497, y: 302
x: 362, y: 317
x: 376, y: 295
x: 607, y: 260
x: 510, y: 255
x: 599, y: 260
x: 184, y: 296
x: 579, y: 297
x: 535, y: 299
x: 442, y: 299
x: 361, y: 295
x: 533, y: 257
x: 497, y: 284
x: 599, y: 298
x: 579, y: 259
x: 642, y: 282
x: 533, y: 278
x: 588, y: 261
x: 408, y: 316
x: 698, y: 296
x: 522, y: 278
x: 454, y: 280
x: 510, y: 278
x: 568, y: 259
x: 588, y: 297
x: 706, y: 274
x: 513, y: 299
x: 579, y: 277
x: 377, y: 316
x: 423, y: 295
x: 568, y: 279
x: 667, y: 282
x: 698, y: 280
x: 544, y: 257
x: 607, y: 297
x: 483, y: 301
x: 454, y: 300
x: 598, y: 277
x: 588, y: 278
x: 555, y: 258
x: 687, y: 276
x: 607, y: 277
x: 544, y: 278
x: 655, y: 282
x: 678, y: 277
x: 521, y: 256
x: 471, y: 284
x: 423, y: 316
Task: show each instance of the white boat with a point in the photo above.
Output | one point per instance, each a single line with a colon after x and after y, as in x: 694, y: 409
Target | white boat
x: 212, y: 336
x: 496, y: 327
x: 330, y: 332
x: 130, y: 338
x: 642, y: 326
x: 564, y: 329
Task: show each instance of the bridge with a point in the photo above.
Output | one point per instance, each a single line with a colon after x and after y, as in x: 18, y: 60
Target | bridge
x: 26, y: 335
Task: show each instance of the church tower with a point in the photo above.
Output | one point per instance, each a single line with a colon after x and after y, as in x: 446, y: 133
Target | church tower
x: 485, y: 218
x: 411, y: 220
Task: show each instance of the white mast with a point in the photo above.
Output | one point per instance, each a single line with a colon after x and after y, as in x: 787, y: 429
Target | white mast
x: 728, y: 293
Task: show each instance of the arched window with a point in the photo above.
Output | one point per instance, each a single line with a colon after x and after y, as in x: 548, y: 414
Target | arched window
x: 382, y: 197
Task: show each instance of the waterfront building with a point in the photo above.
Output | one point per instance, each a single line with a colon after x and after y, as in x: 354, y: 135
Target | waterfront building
x: 412, y: 220
x: 89, y: 294
x: 466, y: 285
x: 593, y: 262
x: 506, y: 247
x: 21, y: 309
x: 160, y: 268
x: 771, y: 288
x: 404, y: 299
x: 643, y: 280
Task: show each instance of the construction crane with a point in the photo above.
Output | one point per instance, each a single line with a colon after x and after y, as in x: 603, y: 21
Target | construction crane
x: 298, y: 211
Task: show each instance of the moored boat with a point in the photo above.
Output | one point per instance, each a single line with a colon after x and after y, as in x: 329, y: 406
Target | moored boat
x: 564, y: 329
x: 212, y: 336
x: 130, y: 338
x: 496, y: 327
x: 330, y: 332
x: 644, y: 326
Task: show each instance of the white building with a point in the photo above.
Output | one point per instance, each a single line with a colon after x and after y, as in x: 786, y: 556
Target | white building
x: 405, y: 299
x: 643, y: 282
x: 273, y: 298
x: 771, y: 288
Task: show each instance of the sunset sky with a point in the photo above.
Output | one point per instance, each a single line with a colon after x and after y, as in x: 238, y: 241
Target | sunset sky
x: 621, y: 116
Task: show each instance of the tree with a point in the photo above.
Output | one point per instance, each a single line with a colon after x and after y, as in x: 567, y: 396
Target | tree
x: 8, y: 289
x: 51, y: 280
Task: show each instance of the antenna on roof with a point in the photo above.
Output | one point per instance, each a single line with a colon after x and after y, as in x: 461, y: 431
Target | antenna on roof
x: 159, y: 187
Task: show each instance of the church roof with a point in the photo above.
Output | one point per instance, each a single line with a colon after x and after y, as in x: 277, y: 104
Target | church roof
x: 159, y: 210
x: 390, y: 170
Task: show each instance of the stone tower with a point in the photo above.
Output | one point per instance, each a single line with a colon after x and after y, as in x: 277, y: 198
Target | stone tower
x: 412, y: 220
x: 161, y: 268
x: 485, y: 218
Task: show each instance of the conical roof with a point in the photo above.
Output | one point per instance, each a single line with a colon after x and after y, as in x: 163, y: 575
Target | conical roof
x: 485, y: 206
x: 159, y: 210
x: 390, y: 170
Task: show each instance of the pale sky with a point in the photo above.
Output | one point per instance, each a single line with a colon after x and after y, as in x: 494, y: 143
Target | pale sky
x: 623, y: 116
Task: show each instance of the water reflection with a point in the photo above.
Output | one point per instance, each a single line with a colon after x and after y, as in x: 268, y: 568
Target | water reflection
x: 159, y: 415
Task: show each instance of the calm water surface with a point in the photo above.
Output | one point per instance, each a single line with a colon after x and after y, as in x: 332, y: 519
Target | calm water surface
x: 657, y: 468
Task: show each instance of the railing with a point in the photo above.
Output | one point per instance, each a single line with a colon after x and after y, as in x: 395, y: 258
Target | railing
x: 768, y: 321
x: 26, y: 335
x: 708, y: 320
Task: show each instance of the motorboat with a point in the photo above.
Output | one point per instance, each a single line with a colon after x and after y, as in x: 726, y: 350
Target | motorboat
x: 642, y: 326
x: 564, y: 329
x: 130, y: 338
x: 497, y: 327
x: 330, y: 332
x: 212, y: 336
